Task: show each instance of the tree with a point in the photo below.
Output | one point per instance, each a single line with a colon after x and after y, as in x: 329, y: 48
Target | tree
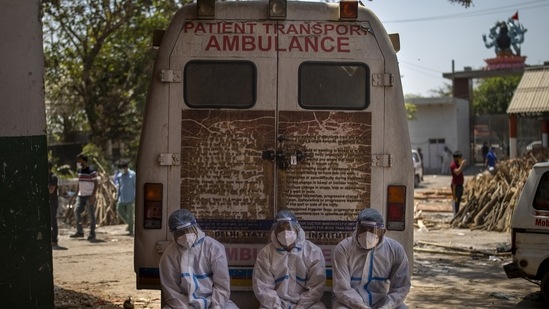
x: 443, y: 91
x: 493, y: 95
x: 98, y: 59
x: 465, y: 3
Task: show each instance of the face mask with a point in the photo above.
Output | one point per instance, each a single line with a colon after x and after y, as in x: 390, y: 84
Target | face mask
x: 78, y: 165
x: 286, y: 238
x: 187, y: 240
x: 368, y: 240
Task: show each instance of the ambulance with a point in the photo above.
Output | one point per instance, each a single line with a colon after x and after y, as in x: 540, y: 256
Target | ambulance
x: 259, y: 106
x: 530, y: 231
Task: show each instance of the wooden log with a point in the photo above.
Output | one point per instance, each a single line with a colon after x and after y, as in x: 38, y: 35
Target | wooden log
x: 456, y: 248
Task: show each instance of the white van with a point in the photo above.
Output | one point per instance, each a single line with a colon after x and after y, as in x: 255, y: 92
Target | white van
x: 418, y: 168
x: 530, y: 230
x: 258, y: 106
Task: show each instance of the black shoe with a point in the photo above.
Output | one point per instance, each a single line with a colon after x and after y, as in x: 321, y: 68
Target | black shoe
x: 77, y: 235
x: 91, y: 237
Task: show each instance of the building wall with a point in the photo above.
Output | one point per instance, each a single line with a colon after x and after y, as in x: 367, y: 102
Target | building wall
x: 439, y: 122
x: 26, y: 279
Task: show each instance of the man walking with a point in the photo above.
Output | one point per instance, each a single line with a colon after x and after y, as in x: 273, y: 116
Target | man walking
x: 125, y: 182
x: 87, y: 189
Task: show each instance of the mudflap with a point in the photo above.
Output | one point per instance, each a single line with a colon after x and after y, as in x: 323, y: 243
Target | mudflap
x: 512, y: 270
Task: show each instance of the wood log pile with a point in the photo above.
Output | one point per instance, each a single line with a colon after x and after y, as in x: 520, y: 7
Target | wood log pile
x: 105, y: 207
x: 489, y: 198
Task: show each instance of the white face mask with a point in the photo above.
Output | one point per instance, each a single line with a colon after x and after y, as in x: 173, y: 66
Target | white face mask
x: 286, y: 238
x: 368, y: 240
x: 187, y: 240
x: 78, y: 165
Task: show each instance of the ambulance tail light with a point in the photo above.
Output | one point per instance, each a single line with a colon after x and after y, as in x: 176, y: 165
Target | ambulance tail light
x: 205, y: 9
x: 348, y: 10
x: 277, y: 9
x: 152, y: 206
x: 396, y: 207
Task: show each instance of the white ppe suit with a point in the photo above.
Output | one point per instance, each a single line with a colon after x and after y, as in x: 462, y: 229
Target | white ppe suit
x: 376, y: 278
x: 197, y: 277
x: 290, y: 279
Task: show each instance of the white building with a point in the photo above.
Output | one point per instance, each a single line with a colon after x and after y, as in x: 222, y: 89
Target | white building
x: 439, y: 122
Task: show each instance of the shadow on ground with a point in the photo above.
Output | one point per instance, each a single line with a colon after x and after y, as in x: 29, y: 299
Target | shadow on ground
x: 439, y: 281
x: 72, y: 299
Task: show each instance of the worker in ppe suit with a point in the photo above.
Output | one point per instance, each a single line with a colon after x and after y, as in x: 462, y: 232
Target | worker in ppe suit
x: 370, y: 270
x: 193, y: 270
x: 290, y: 271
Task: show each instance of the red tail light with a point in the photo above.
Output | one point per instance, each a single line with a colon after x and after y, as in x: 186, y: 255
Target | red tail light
x: 396, y: 208
x: 153, y: 206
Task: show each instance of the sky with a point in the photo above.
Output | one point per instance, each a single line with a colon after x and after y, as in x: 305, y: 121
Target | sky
x: 433, y: 33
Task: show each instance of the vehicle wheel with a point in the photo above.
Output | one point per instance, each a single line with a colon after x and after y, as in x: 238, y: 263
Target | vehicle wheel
x: 416, y: 181
x: 545, y: 286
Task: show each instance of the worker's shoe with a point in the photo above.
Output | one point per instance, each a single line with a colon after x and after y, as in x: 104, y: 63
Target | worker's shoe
x: 91, y: 237
x: 77, y: 235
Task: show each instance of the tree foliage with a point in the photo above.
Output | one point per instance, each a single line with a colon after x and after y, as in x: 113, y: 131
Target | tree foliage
x: 98, y: 60
x: 493, y: 95
x: 465, y: 3
x: 446, y: 90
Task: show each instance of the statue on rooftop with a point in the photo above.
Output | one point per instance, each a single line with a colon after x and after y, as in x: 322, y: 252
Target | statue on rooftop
x: 506, y: 38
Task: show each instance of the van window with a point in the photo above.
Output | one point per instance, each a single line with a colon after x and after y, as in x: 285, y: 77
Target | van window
x: 228, y: 84
x: 324, y: 85
x: 541, y: 201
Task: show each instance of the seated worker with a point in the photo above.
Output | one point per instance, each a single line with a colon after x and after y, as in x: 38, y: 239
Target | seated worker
x: 290, y: 271
x: 193, y: 270
x: 370, y: 270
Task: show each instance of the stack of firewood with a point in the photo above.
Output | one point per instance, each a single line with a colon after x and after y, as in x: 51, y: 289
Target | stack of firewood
x: 489, y: 198
x: 105, y: 207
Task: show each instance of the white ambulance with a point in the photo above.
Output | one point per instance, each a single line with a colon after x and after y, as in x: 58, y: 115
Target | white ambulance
x: 530, y: 230
x: 258, y: 106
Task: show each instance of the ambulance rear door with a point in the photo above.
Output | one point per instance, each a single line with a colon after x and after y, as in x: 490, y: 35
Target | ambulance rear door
x: 330, y: 124
x: 228, y: 126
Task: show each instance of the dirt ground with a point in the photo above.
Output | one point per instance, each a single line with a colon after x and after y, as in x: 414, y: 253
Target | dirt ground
x: 100, y: 274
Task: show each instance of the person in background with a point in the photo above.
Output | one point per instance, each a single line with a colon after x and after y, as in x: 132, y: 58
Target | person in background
x: 194, y: 271
x: 53, y: 186
x: 370, y: 270
x: 456, y: 167
x: 484, y: 150
x: 491, y: 159
x: 87, y: 190
x: 446, y: 156
x: 125, y: 183
x: 421, y: 157
x: 290, y: 271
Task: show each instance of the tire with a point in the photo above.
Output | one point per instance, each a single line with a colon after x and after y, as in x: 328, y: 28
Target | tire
x: 545, y: 286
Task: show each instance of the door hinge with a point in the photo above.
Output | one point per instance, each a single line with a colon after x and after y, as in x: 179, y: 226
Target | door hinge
x: 383, y: 80
x: 382, y: 160
x: 170, y: 76
x: 169, y: 159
